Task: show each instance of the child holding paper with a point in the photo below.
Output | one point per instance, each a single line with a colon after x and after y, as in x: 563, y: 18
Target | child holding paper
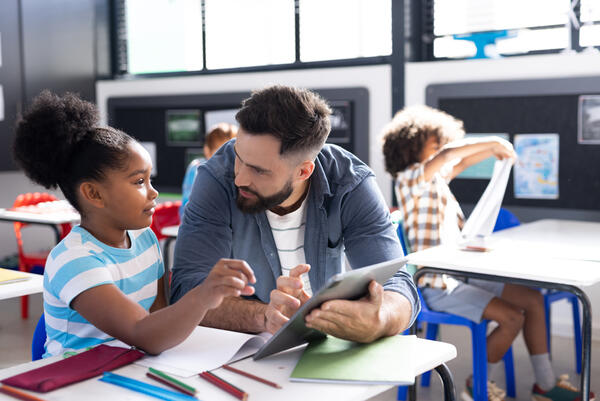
x: 424, y: 149
x: 103, y: 280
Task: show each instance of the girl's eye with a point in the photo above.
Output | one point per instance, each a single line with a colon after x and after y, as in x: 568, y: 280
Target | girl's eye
x: 140, y: 181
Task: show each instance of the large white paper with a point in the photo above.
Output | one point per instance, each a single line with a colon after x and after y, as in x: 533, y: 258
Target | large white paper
x: 205, y: 349
x: 480, y: 223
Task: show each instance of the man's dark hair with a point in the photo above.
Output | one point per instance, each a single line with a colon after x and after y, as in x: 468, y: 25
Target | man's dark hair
x: 297, y: 117
x: 405, y: 136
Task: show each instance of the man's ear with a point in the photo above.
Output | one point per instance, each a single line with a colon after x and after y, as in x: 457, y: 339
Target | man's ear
x: 305, y: 170
x: 91, y: 193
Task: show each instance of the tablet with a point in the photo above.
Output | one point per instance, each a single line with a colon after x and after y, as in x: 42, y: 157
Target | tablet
x: 350, y: 285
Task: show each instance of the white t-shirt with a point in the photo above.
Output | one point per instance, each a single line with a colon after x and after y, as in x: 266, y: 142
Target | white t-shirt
x: 288, y: 233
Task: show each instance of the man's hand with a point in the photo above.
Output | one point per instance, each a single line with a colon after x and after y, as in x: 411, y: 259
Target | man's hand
x: 363, y: 320
x: 286, y: 299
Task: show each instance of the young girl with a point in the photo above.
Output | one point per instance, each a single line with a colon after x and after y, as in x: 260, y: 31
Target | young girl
x: 103, y: 280
x: 424, y: 150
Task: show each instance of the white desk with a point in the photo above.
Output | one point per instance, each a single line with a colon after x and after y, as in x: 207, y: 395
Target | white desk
x: 531, y: 254
x: 276, y: 368
x: 34, y: 285
x: 49, y: 213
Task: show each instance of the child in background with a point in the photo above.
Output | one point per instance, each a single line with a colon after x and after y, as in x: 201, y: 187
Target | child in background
x: 424, y: 151
x: 103, y: 280
x: 216, y: 137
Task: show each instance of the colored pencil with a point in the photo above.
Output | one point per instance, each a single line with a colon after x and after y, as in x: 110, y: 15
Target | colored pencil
x: 145, y: 388
x: 224, y: 385
x: 251, y: 376
x: 170, y: 381
x: 16, y: 393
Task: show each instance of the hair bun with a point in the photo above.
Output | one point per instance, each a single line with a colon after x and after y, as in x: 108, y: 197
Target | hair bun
x: 48, y: 133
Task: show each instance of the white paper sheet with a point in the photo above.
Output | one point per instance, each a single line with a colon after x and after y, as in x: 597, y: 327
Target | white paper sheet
x: 205, y: 349
x: 480, y: 223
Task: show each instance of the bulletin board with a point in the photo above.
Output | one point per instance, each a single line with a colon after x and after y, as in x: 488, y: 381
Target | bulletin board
x: 549, y: 106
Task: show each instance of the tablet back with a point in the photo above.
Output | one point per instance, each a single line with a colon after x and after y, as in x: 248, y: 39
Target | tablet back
x: 350, y: 285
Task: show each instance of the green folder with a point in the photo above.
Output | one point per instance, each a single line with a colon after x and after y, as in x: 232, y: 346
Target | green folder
x: 389, y: 360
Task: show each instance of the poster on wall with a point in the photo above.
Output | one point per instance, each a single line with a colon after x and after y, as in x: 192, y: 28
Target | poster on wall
x: 485, y: 168
x: 588, y: 128
x: 536, y: 169
x: 184, y: 128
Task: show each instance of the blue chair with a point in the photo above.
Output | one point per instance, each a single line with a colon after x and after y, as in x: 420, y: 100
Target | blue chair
x: 479, y: 345
x: 506, y: 220
x: 39, y: 338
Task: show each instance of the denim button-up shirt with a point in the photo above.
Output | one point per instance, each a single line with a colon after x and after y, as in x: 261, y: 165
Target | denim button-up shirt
x: 345, y: 213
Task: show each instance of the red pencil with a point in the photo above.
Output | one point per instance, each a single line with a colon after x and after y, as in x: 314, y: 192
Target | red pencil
x: 225, y: 386
x: 251, y: 376
x: 21, y: 395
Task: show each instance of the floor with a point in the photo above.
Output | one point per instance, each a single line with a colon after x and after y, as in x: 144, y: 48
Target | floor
x: 16, y: 334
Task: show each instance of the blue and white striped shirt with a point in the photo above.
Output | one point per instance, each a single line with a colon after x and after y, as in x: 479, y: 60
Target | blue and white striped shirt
x: 80, y: 262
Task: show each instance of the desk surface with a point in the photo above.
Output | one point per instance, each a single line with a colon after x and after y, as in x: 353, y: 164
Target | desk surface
x: 557, y: 251
x: 34, y: 285
x: 57, y: 212
x: 276, y: 368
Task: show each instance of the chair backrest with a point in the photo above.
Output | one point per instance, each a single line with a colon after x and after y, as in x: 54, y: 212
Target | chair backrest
x: 506, y: 220
x: 39, y: 339
x: 165, y: 214
x: 29, y: 199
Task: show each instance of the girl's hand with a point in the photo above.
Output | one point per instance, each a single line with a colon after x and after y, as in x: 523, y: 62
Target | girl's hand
x: 228, y: 278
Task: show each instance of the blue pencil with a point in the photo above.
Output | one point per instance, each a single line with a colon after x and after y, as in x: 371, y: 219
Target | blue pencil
x: 145, y: 388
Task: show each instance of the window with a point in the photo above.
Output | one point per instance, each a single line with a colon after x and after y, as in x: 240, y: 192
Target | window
x: 465, y: 28
x: 165, y: 37
x: 341, y: 29
x: 173, y: 36
x: 589, y: 33
x: 259, y: 32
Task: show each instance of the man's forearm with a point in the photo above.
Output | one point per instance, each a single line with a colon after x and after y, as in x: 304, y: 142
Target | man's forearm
x: 237, y: 314
x: 398, y: 311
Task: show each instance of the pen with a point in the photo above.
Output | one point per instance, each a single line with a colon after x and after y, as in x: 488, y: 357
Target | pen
x: 164, y: 378
x: 145, y: 388
x: 16, y: 393
x: 224, y: 385
x: 251, y: 376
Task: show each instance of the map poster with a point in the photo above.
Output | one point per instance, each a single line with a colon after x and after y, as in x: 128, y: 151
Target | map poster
x: 485, y: 168
x: 536, y: 168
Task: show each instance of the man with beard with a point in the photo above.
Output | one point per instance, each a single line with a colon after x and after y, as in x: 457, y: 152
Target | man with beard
x: 290, y: 206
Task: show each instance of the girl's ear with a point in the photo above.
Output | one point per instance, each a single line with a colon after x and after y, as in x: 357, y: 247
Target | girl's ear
x: 91, y: 193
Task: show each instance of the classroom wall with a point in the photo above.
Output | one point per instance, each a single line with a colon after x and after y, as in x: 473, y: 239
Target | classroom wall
x: 377, y: 79
x: 419, y: 75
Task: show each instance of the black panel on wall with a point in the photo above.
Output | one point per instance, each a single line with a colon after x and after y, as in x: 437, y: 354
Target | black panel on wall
x: 527, y: 107
x: 61, y: 45
x: 10, y: 78
x: 144, y: 118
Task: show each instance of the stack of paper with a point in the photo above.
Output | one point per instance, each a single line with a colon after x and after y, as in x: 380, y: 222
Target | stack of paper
x: 388, y: 360
x: 10, y: 276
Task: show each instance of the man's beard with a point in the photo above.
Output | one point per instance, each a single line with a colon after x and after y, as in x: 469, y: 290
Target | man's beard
x: 261, y: 203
